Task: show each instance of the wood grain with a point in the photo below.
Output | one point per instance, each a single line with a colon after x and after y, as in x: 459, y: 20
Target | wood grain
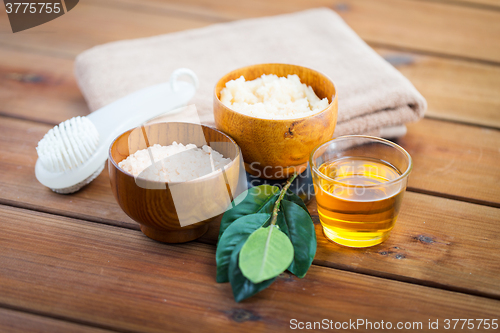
x: 433, y: 27
x: 89, y: 25
x: 482, y: 3
x: 436, y: 27
x: 455, y: 90
x: 448, y: 222
x: 458, y: 161
x: 118, y: 278
x: 426, y: 26
x: 436, y: 242
x: 21, y: 322
x: 39, y: 87
x: 91, y: 273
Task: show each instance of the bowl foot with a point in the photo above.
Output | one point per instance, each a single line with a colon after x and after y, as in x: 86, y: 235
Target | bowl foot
x: 174, y: 236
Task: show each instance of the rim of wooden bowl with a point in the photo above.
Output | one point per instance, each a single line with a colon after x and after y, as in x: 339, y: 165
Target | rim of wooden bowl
x: 333, y: 97
x: 202, y: 178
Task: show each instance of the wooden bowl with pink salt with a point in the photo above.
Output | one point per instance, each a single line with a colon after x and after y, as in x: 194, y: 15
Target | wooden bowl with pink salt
x: 174, y: 178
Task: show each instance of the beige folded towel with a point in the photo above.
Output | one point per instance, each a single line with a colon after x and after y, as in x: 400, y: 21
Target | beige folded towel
x: 373, y: 96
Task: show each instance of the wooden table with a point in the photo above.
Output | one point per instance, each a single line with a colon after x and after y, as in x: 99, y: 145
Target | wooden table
x: 77, y: 263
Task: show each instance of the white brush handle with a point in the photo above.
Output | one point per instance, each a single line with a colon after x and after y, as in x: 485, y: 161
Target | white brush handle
x: 143, y: 105
x: 126, y: 113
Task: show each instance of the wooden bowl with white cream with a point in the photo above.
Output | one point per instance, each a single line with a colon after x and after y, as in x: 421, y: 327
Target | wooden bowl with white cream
x: 275, y: 148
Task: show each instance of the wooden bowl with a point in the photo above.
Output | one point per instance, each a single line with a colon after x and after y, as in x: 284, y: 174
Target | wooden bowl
x: 174, y: 212
x: 274, y: 149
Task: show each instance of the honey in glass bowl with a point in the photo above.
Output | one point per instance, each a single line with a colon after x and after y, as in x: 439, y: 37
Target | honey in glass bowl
x: 358, y: 190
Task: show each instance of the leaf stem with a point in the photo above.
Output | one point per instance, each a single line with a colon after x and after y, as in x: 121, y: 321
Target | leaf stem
x: 282, y: 194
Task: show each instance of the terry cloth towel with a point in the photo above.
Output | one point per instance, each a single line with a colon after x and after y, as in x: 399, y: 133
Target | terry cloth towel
x: 373, y: 96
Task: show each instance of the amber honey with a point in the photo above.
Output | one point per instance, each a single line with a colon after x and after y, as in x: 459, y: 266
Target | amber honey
x: 358, y: 200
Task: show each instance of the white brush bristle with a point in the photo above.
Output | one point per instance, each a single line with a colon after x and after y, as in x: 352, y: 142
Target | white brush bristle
x: 68, y: 144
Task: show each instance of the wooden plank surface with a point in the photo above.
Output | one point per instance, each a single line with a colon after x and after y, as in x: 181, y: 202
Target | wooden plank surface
x: 416, y: 25
x: 436, y: 242
x: 89, y: 25
x: 459, y: 161
x: 91, y: 273
x: 452, y: 238
x: 12, y: 321
x: 114, y: 277
x: 426, y: 26
x: 455, y: 90
x: 485, y: 4
x: 39, y: 87
x: 432, y: 27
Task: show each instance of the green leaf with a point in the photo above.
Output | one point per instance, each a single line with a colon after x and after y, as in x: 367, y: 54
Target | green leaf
x: 241, y: 286
x: 267, y: 253
x: 251, y: 214
x: 237, y: 231
x: 298, y: 226
x: 290, y: 196
x: 258, y: 199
